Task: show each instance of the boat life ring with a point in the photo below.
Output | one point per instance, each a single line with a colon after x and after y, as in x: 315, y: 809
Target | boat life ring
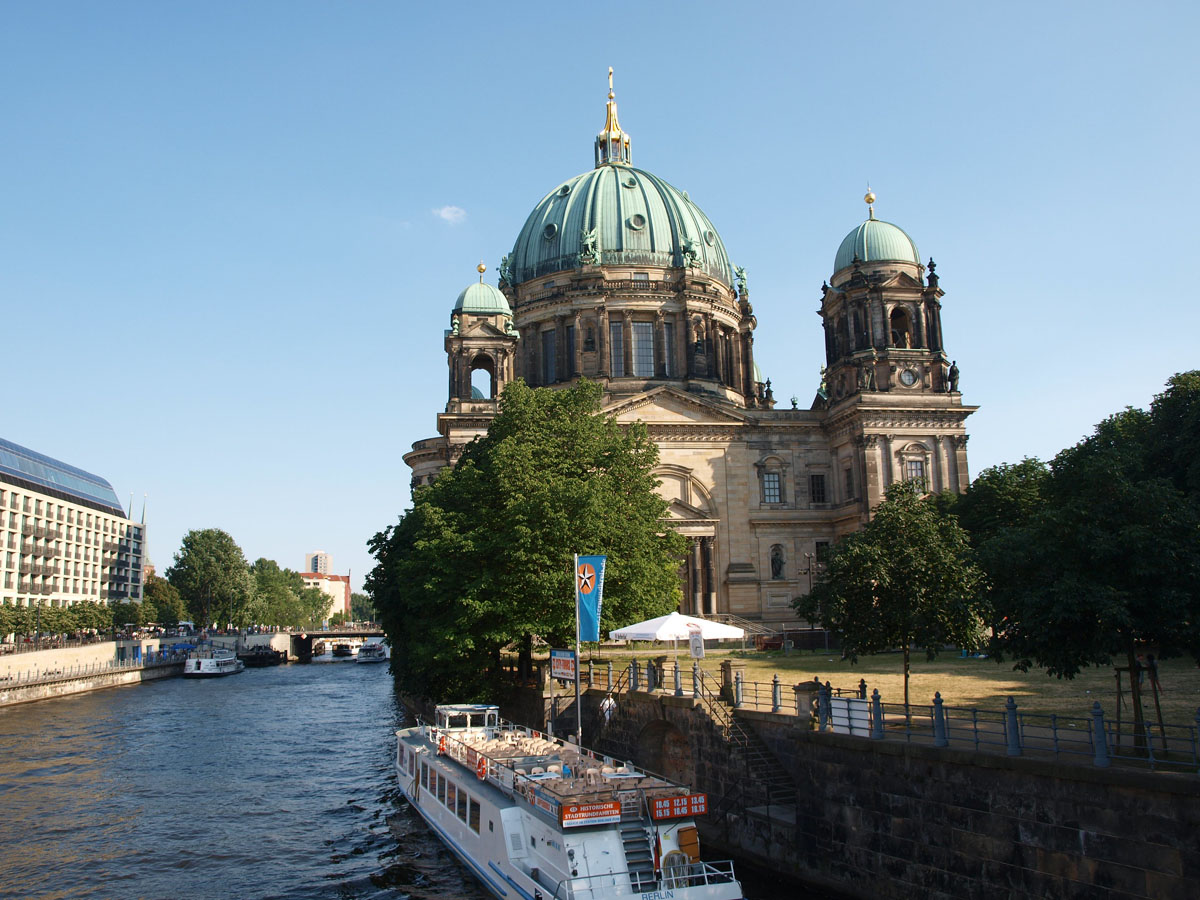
x: 442, y: 745
x: 481, y: 767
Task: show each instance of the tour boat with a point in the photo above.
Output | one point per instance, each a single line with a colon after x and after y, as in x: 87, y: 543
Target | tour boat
x: 372, y: 653
x: 212, y: 663
x: 345, y: 648
x: 534, y: 818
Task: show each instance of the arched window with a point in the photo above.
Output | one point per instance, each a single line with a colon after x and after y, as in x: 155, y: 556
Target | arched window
x: 483, y: 381
x: 901, y: 328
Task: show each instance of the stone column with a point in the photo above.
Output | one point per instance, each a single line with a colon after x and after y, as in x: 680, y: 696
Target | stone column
x: 577, y: 350
x: 681, y: 346
x: 697, y: 579
x: 605, y: 367
x: 710, y: 571
x: 562, y: 353
x: 959, y: 470
x: 739, y: 366
x: 939, y: 465
x: 888, y: 468
x: 660, y: 346
x: 719, y: 352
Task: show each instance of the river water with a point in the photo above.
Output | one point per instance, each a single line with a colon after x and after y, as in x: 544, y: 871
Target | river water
x: 276, y: 783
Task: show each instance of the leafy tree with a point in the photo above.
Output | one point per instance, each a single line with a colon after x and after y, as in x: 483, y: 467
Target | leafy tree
x: 125, y: 614
x: 212, y: 578
x: 1111, y: 563
x: 161, y: 601
x: 362, y: 609
x: 905, y: 579
x: 483, y: 559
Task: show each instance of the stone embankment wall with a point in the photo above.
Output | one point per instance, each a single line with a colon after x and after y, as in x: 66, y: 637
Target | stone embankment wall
x: 11, y: 693
x: 64, y: 658
x: 887, y: 819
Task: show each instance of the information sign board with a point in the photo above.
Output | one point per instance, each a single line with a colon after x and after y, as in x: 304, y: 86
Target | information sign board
x: 562, y: 664
x: 696, y: 644
x: 603, y: 813
x: 679, y: 807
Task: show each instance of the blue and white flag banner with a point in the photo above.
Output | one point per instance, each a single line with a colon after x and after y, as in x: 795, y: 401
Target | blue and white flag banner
x: 589, y: 595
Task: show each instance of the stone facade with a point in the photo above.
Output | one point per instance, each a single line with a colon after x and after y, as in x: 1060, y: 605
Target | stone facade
x: 668, y: 331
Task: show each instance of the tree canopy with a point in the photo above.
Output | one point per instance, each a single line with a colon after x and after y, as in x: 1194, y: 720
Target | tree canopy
x: 161, y: 601
x: 905, y: 579
x: 212, y: 578
x: 484, y: 558
x: 281, y: 597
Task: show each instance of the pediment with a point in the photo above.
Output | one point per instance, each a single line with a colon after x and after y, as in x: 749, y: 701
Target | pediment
x: 902, y: 280
x: 483, y: 329
x: 669, y: 406
x: 679, y: 510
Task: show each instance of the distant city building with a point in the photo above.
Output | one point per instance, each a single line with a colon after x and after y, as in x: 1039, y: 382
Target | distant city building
x: 64, y: 537
x: 335, y: 587
x: 318, y: 561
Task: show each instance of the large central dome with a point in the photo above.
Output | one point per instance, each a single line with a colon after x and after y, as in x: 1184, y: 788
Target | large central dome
x: 616, y: 215
x: 625, y: 216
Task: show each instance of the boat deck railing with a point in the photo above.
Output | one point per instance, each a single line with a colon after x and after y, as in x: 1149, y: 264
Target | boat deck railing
x: 545, y: 771
x: 673, y: 878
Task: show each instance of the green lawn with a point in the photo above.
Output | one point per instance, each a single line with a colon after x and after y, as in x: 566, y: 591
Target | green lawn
x: 970, y: 682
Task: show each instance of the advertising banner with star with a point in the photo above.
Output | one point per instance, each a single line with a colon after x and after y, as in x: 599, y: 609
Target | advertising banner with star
x: 589, y: 594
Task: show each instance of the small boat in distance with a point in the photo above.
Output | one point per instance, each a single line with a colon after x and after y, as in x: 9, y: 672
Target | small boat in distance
x: 212, y: 662
x: 533, y: 817
x: 260, y: 657
x: 372, y: 653
x: 345, y: 648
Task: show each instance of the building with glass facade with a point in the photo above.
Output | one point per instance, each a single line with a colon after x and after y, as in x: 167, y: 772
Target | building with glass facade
x: 64, y: 537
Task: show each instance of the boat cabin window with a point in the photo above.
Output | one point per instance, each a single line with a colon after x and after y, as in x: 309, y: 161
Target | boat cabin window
x: 461, y: 811
x: 424, y: 775
x: 450, y: 792
x: 473, y: 816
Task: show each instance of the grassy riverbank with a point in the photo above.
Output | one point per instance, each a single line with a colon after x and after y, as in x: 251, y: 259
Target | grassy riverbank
x: 968, y: 682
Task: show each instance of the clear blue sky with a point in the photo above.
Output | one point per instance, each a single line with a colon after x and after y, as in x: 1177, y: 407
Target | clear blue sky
x: 224, y: 276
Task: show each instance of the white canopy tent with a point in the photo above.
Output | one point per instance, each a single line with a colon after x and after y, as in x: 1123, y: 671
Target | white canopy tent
x: 675, y: 627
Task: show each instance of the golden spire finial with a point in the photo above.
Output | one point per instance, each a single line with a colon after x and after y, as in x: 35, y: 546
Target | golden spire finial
x: 481, y: 268
x: 612, y: 144
x: 869, y: 199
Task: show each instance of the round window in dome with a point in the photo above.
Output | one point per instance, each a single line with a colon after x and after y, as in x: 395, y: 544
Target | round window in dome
x: 630, y: 182
x: 637, y: 221
x: 710, y: 238
x: 550, y: 231
x: 564, y: 190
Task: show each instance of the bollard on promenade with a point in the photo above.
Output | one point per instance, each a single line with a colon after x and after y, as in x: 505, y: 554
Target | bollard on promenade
x: 696, y: 680
x: 1011, y: 729
x: 776, y: 695
x: 737, y: 689
x: 609, y: 683
x: 633, y: 675
x: 876, y: 716
x: 940, y: 739
x: 1099, y: 738
x: 591, y: 675
x: 822, y: 707
x: 678, y: 681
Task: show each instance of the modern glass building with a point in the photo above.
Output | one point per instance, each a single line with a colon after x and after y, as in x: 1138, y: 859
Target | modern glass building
x: 64, y: 536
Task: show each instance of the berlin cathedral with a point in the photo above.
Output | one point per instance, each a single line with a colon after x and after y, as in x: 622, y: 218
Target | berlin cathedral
x: 619, y: 277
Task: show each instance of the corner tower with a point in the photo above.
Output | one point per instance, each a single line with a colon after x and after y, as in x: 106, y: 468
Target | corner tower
x: 890, y: 387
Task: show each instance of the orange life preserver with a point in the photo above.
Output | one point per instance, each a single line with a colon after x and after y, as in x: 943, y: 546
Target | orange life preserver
x: 442, y: 745
x: 481, y: 767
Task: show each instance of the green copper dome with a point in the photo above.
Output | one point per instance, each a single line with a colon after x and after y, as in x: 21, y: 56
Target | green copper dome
x: 617, y: 215
x: 482, y: 300
x: 876, y: 241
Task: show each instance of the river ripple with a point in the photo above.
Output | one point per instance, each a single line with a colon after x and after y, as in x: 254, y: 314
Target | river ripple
x: 276, y: 783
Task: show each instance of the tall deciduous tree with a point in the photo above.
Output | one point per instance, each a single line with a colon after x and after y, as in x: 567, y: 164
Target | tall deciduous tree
x: 162, y: 601
x: 905, y: 579
x: 1111, y: 563
x: 483, y: 560
x: 212, y: 577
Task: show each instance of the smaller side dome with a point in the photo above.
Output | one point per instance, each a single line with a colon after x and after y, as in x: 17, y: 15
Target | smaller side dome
x: 482, y: 300
x: 876, y: 241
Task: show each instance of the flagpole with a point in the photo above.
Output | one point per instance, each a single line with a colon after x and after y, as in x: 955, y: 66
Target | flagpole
x: 578, y: 707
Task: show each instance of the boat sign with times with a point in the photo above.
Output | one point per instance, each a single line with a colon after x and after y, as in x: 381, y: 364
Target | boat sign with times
x: 535, y: 818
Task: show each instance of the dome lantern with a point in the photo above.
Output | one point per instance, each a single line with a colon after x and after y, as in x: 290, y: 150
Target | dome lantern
x: 612, y: 144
